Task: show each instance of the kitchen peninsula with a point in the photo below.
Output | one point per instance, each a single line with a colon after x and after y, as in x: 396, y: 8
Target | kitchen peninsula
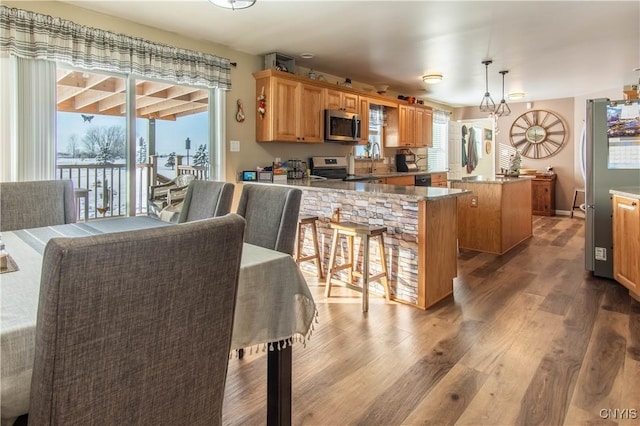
x: 496, y: 216
x: 421, y: 231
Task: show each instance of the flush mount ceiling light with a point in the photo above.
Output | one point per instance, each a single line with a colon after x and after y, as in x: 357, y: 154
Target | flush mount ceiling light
x: 306, y: 55
x: 233, y: 4
x: 432, y: 78
x: 487, y: 104
x: 516, y: 95
x: 503, y: 109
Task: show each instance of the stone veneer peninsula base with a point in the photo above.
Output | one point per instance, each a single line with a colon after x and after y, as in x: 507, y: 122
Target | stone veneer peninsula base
x: 421, y: 237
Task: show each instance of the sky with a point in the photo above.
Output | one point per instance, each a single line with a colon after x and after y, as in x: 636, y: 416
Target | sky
x: 170, y: 135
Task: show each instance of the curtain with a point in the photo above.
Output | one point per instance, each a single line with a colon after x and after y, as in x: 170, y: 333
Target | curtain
x: 35, y: 36
x: 28, y: 119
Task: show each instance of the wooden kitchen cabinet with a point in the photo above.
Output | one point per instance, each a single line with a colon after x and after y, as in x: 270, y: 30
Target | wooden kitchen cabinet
x: 337, y: 99
x: 294, y: 111
x: 407, y: 125
x: 439, y: 179
x: 364, y: 120
x: 401, y: 180
x: 415, y: 127
x: 626, y: 243
x: 543, y: 195
x: 424, y: 127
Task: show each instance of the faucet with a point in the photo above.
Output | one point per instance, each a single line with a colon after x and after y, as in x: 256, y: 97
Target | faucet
x: 373, y: 156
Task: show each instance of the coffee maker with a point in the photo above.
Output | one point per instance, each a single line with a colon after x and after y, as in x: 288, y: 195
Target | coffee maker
x: 406, y: 163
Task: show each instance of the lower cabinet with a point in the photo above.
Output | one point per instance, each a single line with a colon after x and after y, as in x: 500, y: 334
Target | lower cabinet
x: 626, y: 243
x: 401, y: 180
x: 543, y: 195
x: 439, y: 180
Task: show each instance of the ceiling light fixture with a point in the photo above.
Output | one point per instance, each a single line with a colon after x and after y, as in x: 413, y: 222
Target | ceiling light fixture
x: 432, y: 78
x: 516, y: 95
x: 233, y: 4
x: 487, y: 104
x: 306, y: 55
x: 503, y: 109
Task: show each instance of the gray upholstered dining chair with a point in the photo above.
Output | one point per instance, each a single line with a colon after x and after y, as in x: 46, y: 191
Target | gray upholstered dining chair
x: 120, y: 343
x: 206, y: 199
x: 271, y: 213
x: 33, y: 204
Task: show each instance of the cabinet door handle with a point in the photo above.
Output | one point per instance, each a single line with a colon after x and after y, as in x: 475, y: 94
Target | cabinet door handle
x: 627, y: 207
x: 634, y: 204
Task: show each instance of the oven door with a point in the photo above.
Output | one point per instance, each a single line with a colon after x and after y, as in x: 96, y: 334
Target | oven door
x: 423, y: 180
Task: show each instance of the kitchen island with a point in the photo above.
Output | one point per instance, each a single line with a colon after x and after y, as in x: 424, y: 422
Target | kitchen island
x: 420, y: 239
x: 496, y: 216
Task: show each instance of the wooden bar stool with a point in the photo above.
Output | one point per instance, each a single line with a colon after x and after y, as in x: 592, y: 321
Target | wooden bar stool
x: 365, y: 232
x: 315, y: 256
x: 575, y: 198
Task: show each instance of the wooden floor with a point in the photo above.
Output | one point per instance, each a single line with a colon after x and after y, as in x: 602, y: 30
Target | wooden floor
x: 528, y: 338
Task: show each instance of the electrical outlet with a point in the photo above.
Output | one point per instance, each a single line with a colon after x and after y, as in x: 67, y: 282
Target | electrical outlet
x: 474, y: 201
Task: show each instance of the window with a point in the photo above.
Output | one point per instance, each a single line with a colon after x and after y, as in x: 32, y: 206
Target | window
x: 93, y: 146
x: 438, y: 155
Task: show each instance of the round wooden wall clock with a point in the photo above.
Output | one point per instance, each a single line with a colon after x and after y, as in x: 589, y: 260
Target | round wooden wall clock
x: 537, y: 134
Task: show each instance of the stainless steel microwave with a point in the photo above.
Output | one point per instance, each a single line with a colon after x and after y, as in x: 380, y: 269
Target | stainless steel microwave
x: 341, y: 126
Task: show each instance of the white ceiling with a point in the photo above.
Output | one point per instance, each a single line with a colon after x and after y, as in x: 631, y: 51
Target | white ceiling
x: 552, y: 49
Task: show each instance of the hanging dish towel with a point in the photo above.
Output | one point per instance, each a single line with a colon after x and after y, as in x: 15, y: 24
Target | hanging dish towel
x: 464, y: 145
x: 472, y: 156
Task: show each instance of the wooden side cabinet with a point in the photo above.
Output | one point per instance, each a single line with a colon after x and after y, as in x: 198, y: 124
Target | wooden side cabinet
x: 543, y: 195
x: 626, y: 243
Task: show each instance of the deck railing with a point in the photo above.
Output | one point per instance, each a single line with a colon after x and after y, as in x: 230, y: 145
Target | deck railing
x: 107, y: 187
x: 107, y: 184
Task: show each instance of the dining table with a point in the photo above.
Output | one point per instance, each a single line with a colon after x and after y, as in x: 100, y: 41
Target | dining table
x: 274, y: 309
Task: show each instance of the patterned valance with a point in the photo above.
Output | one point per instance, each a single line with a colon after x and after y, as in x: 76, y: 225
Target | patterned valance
x: 35, y: 36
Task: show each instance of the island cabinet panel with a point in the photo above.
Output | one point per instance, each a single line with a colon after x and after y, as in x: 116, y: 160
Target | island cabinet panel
x: 496, y: 216
x: 437, y: 250
x: 626, y: 243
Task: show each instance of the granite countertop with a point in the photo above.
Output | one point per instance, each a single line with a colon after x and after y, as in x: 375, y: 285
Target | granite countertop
x: 413, y: 193
x: 493, y: 180
x: 382, y: 175
x: 626, y: 191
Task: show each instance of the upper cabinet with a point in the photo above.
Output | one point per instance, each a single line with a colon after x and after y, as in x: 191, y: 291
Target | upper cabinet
x: 365, y: 104
x: 293, y: 110
x: 345, y: 101
x: 415, y: 127
x: 424, y: 127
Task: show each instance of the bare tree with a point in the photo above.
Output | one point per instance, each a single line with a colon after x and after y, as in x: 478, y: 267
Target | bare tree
x: 72, y: 145
x: 108, y: 142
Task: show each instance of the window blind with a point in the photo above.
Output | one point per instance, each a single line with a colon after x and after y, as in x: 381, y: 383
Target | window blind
x: 438, y: 156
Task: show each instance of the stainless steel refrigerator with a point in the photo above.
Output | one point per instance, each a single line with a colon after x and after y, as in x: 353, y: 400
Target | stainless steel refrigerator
x: 612, y: 155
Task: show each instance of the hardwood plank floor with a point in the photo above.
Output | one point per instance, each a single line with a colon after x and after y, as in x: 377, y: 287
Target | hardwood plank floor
x: 529, y: 337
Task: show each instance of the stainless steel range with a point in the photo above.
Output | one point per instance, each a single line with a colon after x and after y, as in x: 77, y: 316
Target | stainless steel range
x: 329, y: 167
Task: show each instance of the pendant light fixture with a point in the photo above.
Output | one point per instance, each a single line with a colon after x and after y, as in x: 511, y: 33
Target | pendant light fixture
x: 487, y: 104
x: 503, y: 109
x: 233, y: 4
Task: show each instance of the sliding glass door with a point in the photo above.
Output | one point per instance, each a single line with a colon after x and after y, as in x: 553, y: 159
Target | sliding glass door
x: 115, y: 148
